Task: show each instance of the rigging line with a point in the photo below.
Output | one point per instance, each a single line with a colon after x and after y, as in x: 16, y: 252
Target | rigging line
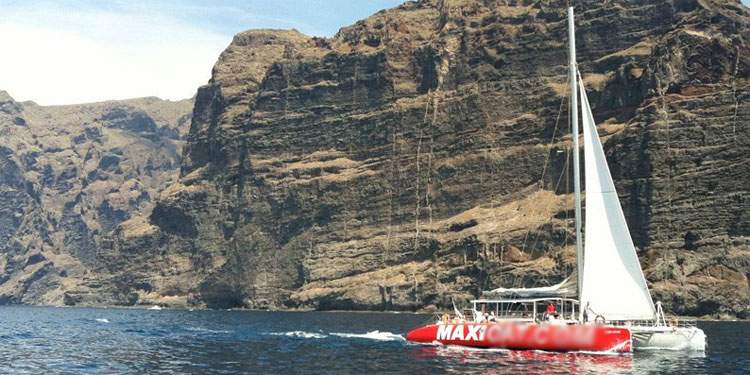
x: 549, y: 220
x: 554, y: 133
x: 566, y: 173
x: 568, y: 186
x: 559, y: 180
x: 546, y: 160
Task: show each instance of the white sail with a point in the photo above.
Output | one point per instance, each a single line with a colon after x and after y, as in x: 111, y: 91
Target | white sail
x: 613, y: 282
x: 565, y: 289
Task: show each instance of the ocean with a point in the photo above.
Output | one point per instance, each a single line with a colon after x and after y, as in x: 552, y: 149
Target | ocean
x: 36, y: 340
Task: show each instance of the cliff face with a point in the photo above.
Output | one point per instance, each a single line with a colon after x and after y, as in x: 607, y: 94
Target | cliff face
x: 418, y: 154
x: 69, y: 175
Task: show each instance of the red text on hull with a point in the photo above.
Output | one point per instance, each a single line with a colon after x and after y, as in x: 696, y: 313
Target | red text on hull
x: 518, y: 336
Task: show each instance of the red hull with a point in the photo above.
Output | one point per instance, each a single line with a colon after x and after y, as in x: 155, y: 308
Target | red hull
x: 515, y: 336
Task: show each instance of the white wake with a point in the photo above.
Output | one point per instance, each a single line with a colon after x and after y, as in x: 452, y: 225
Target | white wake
x: 372, y: 335
x: 300, y: 334
x: 205, y: 330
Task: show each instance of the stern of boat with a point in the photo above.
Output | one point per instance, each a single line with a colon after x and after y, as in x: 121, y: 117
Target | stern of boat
x: 669, y: 338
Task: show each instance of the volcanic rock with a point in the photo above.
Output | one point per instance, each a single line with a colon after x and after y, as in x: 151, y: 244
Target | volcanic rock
x: 71, y: 174
x: 419, y: 156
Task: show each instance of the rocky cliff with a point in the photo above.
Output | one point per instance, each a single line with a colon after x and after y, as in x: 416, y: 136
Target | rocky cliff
x: 70, y: 175
x: 420, y: 155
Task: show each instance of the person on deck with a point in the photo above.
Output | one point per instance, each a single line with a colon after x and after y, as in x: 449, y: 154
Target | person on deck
x: 551, y: 312
x: 493, y: 318
x: 586, y: 313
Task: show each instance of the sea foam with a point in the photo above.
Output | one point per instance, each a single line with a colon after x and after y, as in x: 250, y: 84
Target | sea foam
x: 300, y: 334
x: 372, y: 335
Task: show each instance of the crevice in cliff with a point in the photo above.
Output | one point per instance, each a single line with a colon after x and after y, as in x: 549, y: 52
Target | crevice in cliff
x: 734, y: 93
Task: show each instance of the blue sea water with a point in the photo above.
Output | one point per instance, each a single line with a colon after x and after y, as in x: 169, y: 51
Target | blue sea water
x: 36, y: 340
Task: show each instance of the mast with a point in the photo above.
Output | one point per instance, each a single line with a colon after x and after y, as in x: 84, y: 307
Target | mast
x: 576, y: 151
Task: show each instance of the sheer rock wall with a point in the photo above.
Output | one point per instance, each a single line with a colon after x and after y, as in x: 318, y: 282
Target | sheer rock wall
x: 417, y: 157
x: 69, y: 176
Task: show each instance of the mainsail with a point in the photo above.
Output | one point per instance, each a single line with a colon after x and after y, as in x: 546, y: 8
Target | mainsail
x: 609, y: 280
x: 613, y: 284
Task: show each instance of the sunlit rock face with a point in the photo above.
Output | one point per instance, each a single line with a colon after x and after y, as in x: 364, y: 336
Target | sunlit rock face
x: 417, y: 157
x: 69, y: 176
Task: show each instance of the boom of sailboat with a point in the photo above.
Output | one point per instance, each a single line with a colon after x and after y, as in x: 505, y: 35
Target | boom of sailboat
x: 605, y: 305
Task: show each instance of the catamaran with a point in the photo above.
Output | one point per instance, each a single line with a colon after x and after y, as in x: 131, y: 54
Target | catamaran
x: 604, y: 306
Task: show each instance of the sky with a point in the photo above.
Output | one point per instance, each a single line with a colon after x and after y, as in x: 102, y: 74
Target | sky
x: 79, y: 51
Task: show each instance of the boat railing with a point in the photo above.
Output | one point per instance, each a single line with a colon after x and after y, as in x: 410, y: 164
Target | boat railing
x: 672, y: 321
x: 518, y: 310
x: 675, y: 321
x: 449, y: 318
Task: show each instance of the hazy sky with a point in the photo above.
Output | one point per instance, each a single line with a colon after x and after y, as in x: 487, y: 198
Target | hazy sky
x: 75, y: 51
